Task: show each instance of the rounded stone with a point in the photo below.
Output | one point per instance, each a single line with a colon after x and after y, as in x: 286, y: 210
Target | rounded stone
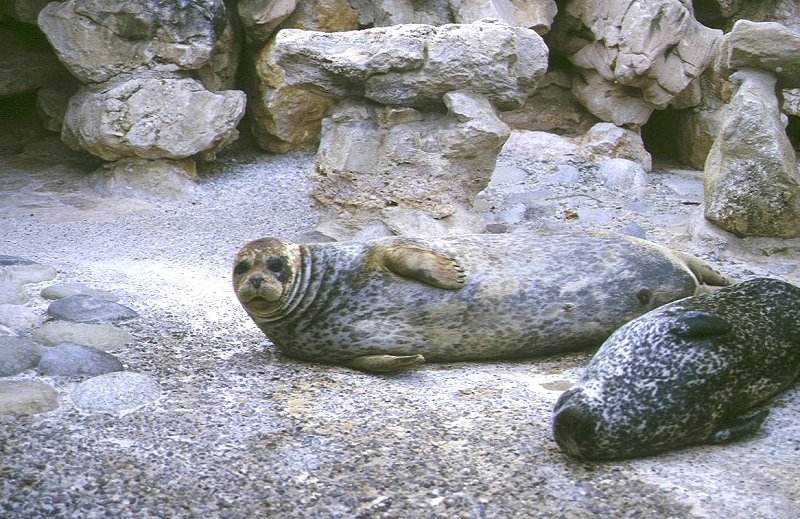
x: 18, y: 317
x: 13, y: 294
x: 26, y: 397
x: 63, y: 290
x: 88, y: 309
x: 104, y: 336
x: 117, y: 393
x: 68, y: 359
x: 28, y: 273
x: 17, y: 354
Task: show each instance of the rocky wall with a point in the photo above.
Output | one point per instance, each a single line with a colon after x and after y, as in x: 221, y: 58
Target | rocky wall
x: 155, y: 86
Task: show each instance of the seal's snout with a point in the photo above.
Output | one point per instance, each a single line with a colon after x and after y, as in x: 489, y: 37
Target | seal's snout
x: 574, y: 426
x: 256, y: 281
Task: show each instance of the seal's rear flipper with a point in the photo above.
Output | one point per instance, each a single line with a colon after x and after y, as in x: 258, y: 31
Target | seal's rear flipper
x: 739, y: 427
x: 707, y: 276
x: 385, y: 363
x: 418, y: 263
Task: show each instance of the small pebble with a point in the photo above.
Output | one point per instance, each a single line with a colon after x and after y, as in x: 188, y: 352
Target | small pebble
x: 87, y: 309
x: 25, y: 397
x: 68, y: 359
x: 104, y: 336
x: 18, y: 354
x: 63, y: 290
x: 117, y: 393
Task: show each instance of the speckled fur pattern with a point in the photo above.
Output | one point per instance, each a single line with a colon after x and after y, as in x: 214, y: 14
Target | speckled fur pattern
x: 524, y: 295
x: 691, y: 372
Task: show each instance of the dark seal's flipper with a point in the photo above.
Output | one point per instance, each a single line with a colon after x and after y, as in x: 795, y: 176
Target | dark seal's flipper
x: 698, y: 325
x: 385, y: 363
x: 739, y: 427
x: 418, y: 263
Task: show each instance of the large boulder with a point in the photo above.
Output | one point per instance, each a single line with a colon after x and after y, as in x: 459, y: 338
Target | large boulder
x: 260, y: 18
x: 27, y: 63
x: 374, y: 159
x: 153, y: 119
x: 633, y: 56
x: 415, y: 65
x: 764, y: 45
x: 533, y: 14
x: 752, y: 184
x: 100, y: 39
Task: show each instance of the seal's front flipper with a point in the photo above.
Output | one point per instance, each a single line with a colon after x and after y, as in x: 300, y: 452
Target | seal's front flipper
x: 698, y: 325
x: 385, y: 363
x: 418, y: 263
x: 739, y: 427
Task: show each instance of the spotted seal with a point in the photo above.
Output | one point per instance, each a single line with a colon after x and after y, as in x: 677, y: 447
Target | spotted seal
x: 385, y: 304
x: 694, y: 371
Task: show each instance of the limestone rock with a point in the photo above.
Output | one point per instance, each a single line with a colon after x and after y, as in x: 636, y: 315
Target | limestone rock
x: 752, y: 184
x: 17, y: 354
x: 372, y: 158
x: 602, y: 142
x: 533, y: 14
x: 68, y: 359
x: 152, y: 118
x: 415, y: 65
x: 23, y: 10
x: 385, y: 13
x: 764, y: 45
x: 100, y: 39
x: 260, y: 18
x: 633, y: 56
x: 145, y: 179
x: 104, y: 336
x: 87, y: 309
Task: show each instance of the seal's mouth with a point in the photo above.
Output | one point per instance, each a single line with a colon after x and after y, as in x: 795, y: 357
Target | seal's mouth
x: 259, y: 304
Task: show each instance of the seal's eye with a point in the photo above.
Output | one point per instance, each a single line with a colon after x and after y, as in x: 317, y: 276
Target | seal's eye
x: 241, y: 267
x: 275, y: 264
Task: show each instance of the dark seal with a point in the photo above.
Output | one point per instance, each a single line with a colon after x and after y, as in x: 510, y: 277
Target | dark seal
x: 695, y: 371
x: 388, y: 304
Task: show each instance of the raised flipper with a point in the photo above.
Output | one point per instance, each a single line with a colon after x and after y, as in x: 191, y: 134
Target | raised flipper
x: 418, y: 263
x: 385, y: 363
x: 739, y: 427
x: 698, y: 325
x: 708, y: 278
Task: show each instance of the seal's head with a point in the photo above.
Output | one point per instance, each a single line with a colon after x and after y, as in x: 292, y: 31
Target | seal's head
x: 263, y: 275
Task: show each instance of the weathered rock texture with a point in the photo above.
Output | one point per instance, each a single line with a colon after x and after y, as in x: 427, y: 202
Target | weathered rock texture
x: 374, y: 158
x: 136, y: 58
x: 766, y: 45
x: 633, y: 56
x: 752, y: 185
x: 415, y: 65
x: 286, y: 117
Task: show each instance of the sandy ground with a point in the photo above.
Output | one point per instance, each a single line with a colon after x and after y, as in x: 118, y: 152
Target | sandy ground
x: 243, y: 432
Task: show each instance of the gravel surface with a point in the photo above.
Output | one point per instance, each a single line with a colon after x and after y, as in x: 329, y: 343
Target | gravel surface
x: 240, y: 431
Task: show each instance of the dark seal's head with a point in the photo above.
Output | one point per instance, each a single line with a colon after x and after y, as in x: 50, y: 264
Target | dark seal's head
x: 577, y: 426
x: 265, y: 274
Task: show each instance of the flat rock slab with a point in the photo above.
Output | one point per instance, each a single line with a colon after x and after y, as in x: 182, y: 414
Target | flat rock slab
x: 17, y: 354
x: 68, y: 359
x: 62, y: 290
x: 25, y: 397
x: 87, y: 309
x: 104, y: 336
x: 28, y: 273
x: 117, y: 393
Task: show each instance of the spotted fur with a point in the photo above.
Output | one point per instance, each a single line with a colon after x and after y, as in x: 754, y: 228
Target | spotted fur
x: 455, y: 298
x: 691, y: 372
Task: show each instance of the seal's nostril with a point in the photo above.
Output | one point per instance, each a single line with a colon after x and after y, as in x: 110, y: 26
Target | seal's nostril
x: 256, y: 281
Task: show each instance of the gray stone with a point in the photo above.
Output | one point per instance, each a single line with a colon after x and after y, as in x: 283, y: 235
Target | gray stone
x: 17, y: 354
x: 33, y: 273
x: 152, y: 118
x: 768, y: 46
x: 13, y: 293
x: 68, y: 359
x: 536, y: 15
x: 260, y: 18
x: 87, y: 309
x: 6, y: 260
x: 372, y: 158
x: 633, y: 229
x: 622, y: 174
x: 415, y: 65
x: 116, y: 393
x: 26, y: 65
x: 63, y: 290
x: 19, y: 318
x: 146, y: 179
x: 21, y: 397
x: 98, y: 40
x: 752, y: 184
x: 103, y: 336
